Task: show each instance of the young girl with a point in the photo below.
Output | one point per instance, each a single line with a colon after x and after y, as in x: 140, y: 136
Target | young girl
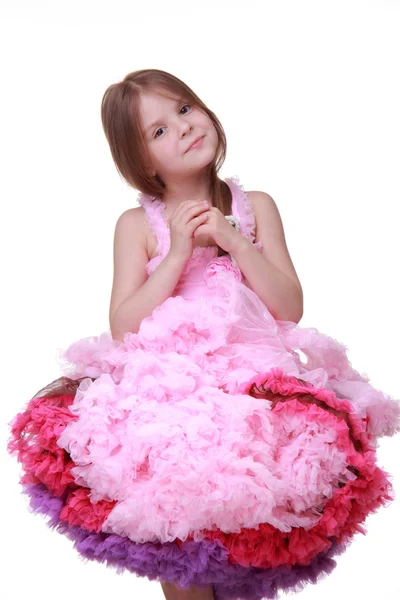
x: 190, y: 444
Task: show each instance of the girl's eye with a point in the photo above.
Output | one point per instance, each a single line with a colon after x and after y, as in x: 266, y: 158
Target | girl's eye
x: 156, y: 136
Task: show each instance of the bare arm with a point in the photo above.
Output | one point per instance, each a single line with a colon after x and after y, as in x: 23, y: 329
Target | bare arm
x: 153, y: 293
x: 134, y: 295
x: 271, y: 274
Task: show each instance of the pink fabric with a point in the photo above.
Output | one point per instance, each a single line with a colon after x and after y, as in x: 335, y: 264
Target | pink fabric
x: 166, y: 403
x: 157, y: 220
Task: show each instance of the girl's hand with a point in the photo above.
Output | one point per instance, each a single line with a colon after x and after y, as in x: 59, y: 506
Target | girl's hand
x: 219, y: 228
x: 183, y: 222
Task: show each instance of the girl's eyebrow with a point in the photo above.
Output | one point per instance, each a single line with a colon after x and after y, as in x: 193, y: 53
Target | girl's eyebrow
x: 177, y: 101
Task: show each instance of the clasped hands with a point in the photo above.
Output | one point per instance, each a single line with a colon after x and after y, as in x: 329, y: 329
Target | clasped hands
x: 225, y: 234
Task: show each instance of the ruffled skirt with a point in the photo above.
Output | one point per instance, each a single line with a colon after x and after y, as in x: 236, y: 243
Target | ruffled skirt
x: 201, y: 450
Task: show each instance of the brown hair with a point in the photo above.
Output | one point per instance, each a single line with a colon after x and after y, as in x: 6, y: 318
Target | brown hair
x: 121, y: 124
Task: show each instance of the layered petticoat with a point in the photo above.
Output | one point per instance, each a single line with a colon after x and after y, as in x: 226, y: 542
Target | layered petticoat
x: 202, y: 450
x: 320, y: 467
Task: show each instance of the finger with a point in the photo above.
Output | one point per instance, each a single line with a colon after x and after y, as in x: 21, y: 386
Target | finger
x: 187, y: 204
x: 191, y: 211
x: 199, y: 222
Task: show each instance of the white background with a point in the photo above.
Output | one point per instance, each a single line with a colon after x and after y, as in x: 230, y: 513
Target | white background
x: 307, y: 93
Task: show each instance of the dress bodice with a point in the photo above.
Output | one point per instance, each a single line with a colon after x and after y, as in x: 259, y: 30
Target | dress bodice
x: 156, y: 217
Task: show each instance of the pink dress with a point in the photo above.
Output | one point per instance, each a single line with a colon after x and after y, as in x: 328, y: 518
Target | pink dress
x: 201, y: 449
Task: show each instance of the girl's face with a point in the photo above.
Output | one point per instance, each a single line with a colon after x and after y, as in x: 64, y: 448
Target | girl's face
x: 169, y: 128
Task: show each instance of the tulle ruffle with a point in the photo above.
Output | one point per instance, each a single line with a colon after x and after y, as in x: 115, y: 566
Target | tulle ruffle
x: 321, y: 456
x: 221, y: 337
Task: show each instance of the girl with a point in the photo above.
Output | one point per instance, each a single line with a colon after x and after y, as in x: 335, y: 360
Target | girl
x: 190, y: 444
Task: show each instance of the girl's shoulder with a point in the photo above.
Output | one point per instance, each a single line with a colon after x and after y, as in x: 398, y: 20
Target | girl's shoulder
x: 131, y: 219
x: 136, y: 216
